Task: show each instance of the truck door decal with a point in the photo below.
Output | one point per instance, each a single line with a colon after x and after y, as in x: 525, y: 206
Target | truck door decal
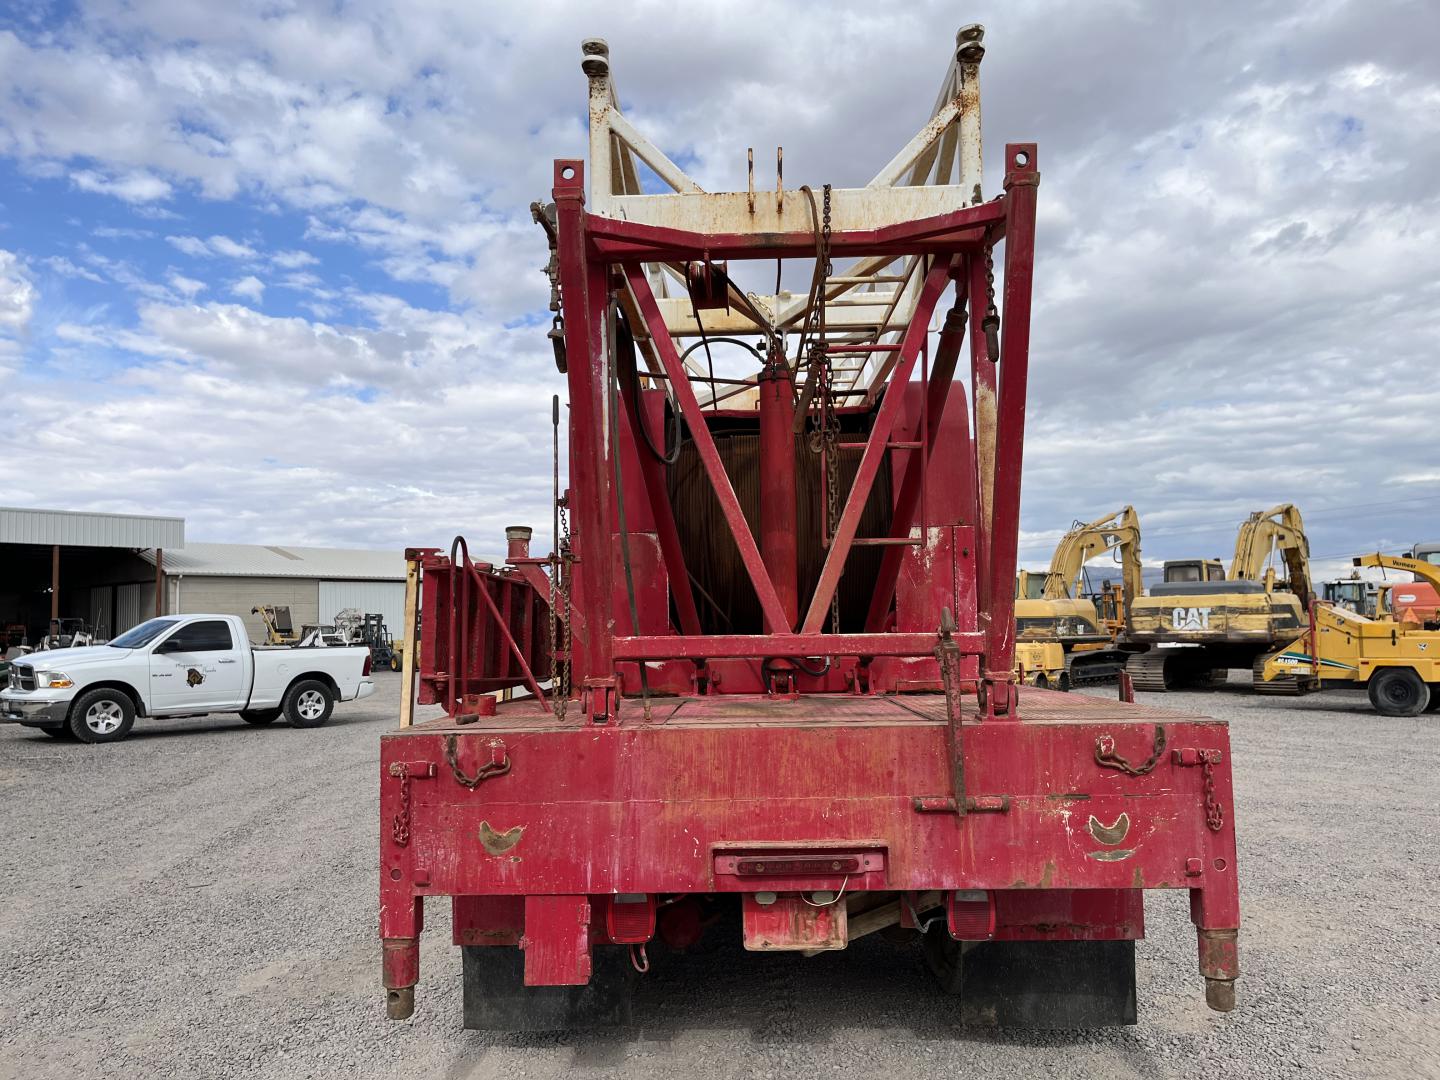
x: 194, y: 677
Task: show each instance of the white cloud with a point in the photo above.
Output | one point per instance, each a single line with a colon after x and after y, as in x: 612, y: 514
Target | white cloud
x: 250, y: 287
x: 189, y: 287
x: 231, y: 249
x: 190, y: 245
x: 1221, y: 240
x: 65, y: 268
x: 293, y: 260
x: 17, y: 295
x: 134, y: 187
x: 217, y: 245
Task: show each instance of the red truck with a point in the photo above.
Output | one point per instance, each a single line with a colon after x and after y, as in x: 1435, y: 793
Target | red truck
x: 764, y: 678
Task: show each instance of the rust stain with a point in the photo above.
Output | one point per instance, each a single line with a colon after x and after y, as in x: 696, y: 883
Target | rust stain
x: 498, y: 843
x: 1113, y: 833
x: 1049, y: 875
x: 1138, y: 882
x: 1110, y: 856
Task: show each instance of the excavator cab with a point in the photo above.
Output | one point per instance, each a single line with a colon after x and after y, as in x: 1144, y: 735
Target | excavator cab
x: 1184, y: 571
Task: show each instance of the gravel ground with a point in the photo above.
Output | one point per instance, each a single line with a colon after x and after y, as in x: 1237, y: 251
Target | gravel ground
x: 190, y: 903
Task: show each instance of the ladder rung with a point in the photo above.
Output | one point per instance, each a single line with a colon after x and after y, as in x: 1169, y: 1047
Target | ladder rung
x: 888, y: 446
x: 861, y: 348
x: 847, y: 279
x: 884, y: 541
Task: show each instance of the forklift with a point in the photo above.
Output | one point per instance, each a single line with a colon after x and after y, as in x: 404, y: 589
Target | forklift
x: 374, y: 633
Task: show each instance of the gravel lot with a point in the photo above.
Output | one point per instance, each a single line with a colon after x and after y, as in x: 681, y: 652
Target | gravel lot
x: 190, y: 903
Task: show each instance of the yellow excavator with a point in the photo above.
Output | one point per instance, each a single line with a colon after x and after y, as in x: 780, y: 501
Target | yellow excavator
x: 1397, y: 662
x: 1050, y: 612
x: 1199, y: 622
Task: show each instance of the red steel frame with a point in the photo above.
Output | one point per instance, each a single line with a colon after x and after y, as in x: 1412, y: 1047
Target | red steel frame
x: 911, y: 760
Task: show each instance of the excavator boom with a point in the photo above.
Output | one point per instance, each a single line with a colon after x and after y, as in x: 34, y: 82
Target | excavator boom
x: 1277, y: 529
x: 1120, y: 530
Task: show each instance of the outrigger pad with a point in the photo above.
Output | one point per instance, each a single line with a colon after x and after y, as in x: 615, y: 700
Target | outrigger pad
x: 495, y: 997
x: 1048, y: 984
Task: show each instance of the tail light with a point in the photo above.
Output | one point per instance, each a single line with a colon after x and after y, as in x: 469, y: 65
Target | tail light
x: 971, y: 914
x: 366, y: 669
x: 630, y: 918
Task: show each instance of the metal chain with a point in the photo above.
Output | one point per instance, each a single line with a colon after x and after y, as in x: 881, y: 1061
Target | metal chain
x: 829, y: 424
x: 990, y: 324
x: 1214, y: 812
x: 1106, y: 757
x: 400, y: 824
x: 485, y: 772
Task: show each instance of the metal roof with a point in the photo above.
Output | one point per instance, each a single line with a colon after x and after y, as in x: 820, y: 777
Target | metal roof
x: 260, y: 560
x: 79, y: 529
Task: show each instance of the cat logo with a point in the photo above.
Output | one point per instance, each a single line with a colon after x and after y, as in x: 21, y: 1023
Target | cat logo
x: 194, y: 677
x: 1190, y: 618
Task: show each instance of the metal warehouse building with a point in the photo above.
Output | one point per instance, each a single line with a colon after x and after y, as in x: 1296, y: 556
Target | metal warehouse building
x: 314, y: 583
x: 117, y: 570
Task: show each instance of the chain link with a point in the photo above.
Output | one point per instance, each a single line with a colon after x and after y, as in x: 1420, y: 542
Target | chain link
x: 1106, y: 757
x: 1214, y: 812
x: 400, y: 824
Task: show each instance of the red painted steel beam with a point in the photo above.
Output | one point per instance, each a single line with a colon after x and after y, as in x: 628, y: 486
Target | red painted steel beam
x: 664, y: 347
x: 653, y: 473
x: 870, y: 461
x: 947, y: 356
x: 1021, y: 179
x: 759, y: 646
x: 779, y: 521
x: 583, y: 286
x: 982, y: 382
x: 615, y: 238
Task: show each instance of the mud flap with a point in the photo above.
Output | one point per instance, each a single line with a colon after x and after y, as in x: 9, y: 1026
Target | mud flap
x: 495, y: 997
x: 1048, y: 984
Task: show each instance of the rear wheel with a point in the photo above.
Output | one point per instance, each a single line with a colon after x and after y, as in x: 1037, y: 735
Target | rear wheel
x: 1398, y: 692
x: 309, y: 703
x: 102, y: 716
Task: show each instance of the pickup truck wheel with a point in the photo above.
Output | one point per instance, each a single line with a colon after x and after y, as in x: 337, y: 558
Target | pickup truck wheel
x: 102, y: 716
x: 309, y: 703
x: 1398, y: 692
x: 259, y: 717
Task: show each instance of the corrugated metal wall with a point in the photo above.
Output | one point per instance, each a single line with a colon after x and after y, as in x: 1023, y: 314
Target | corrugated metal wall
x: 133, y: 605
x: 18, y: 526
x: 386, y: 597
x: 237, y: 595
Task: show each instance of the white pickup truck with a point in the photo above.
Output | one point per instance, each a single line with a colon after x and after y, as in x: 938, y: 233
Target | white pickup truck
x: 180, y: 665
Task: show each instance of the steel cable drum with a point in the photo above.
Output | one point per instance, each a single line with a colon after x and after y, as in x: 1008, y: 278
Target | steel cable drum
x: 710, y: 552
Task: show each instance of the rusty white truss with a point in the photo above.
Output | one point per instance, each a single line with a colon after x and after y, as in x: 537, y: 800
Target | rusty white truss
x: 869, y: 301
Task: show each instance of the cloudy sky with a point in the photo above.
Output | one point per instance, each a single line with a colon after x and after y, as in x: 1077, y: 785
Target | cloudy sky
x: 269, y: 265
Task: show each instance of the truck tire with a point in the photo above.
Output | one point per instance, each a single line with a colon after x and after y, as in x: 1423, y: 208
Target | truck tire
x: 1398, y: 692
x: 260, y: 717
x: 308, y: 703
x: 101, y: 716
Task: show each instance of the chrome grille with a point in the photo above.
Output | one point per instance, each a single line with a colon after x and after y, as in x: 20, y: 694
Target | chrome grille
x: 21, y: 677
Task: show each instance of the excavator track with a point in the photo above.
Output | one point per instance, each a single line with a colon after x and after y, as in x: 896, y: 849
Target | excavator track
x: 1284, y: 686
x: 1160, y: 670
x: 1094, y: 667
x: 1147, y: 670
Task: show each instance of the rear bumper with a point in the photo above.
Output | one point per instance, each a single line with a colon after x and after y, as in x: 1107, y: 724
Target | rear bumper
x: 521, y: 815
x: 367, y: 687
x: 22, y: 710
